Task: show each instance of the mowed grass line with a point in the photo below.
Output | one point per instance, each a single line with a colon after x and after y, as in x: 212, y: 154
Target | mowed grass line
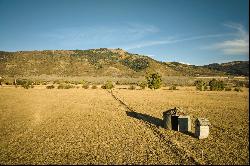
x: 74, y: 126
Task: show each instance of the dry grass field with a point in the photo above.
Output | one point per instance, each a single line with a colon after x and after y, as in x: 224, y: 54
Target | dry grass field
x: 95, y: 126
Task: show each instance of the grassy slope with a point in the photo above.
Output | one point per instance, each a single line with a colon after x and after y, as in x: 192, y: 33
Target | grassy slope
x: 95, y: 62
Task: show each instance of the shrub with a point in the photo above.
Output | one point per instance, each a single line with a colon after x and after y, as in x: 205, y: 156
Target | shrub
x: 67, y: 82
x: 238, y: 89
x: 57, y: 82
x: 83, y: 82
x: 25, y: 83
x: 118, y: 83
x: 173, y: 87
x: 107, y: 85
x: 1, y: 80
x: 240, y: 83
x: 8, y: 83
x: 28, y: 85
x: 132, y: 87
x: 200, y: 85
x: 247, y: 84
x: 154, y: 81
x: 94, y: 87
x: 50, y: 87
x: 143, y: 85
x: 75, y: 82
x: 228, y: 89
x: 85, y: 86
x: 36, y: 83
x: 65, y: 86
x: 60, y: 86
x: 20, y: 82
x: 216, y: 85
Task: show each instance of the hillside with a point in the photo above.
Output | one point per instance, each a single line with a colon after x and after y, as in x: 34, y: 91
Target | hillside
x: 233, y: 68
x: 98, y: 62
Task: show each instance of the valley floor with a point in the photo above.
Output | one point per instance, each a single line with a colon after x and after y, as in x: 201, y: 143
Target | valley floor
x: 96, y: 126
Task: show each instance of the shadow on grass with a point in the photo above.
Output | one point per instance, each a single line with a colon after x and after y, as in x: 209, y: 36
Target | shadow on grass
x: 146, y: 118
x: 190, y: 134
x: 121, y: 88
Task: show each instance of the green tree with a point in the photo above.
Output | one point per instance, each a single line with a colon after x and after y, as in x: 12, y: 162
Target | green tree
x: 154, y: 81
x: 216, y: 85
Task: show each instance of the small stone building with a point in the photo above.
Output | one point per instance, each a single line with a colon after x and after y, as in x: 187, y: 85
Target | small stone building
x: 184, y: 123
x: 170, y: 118
x: 202, y: 128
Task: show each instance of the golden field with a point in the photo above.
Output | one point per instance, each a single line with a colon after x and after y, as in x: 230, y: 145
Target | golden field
x: 95, y: 126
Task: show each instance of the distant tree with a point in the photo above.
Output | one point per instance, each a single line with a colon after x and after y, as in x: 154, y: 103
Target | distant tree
x: 154, y: 81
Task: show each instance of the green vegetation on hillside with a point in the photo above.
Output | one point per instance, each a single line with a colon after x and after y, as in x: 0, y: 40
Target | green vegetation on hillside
x: 103, y: 62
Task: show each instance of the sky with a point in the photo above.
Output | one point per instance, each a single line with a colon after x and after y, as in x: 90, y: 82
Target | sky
x: 196, y: 32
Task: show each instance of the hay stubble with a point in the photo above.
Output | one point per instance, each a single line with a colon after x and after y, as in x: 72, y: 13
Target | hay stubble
x: 78, y: 126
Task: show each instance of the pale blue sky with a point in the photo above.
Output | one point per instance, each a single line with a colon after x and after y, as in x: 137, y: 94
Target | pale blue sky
x: 190, y: 31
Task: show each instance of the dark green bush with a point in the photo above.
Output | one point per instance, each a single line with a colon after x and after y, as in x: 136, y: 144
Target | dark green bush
x: 239, y: 83
x: 94, y: 87
x: 132, y: 87
x: 107, y: 85
x: 20, y: 82
x: 143, y: 84
x: 65, y: 86
x: 118, y: 83
x: 67, y: 82
x: 25, y: 83
x: 58, y: 82
x: 36, y: 83
x: 68, y: 86
x: 228, y: 88
x: 50, y: 87
x: 1, y: 80
x: 28, y: 85
x: 154, y: 81
x: 200, y: 85
x: 238, y: 89
x: 173, y: 87
x: 8, y: 83
x: 216, y: 85
x: 85, y: 86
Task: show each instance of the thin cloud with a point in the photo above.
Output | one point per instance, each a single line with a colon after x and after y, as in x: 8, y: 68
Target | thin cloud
x: 170, y: 41
x: 233, y: 47
x: 100, y: 35
x: 236, y: 46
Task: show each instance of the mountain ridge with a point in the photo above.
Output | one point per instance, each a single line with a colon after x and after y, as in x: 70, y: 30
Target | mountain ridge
x: 105, y: 62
